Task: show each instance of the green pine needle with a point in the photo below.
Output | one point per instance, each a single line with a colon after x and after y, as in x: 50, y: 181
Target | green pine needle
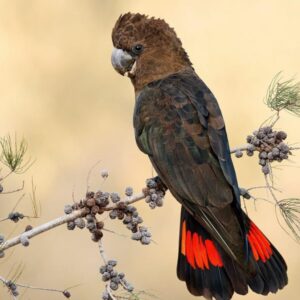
x: 284, y: 95
x: 290, y: 211
x: 12, y: 154
x: 139, y: 295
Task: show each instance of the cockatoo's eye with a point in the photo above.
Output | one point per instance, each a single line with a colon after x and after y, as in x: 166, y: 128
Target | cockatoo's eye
x: 137, y: 49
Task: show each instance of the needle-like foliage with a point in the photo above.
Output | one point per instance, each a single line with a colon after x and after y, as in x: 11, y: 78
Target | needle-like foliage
x: 13, y: 154
x: 284, y: 95
x: 290, y: 211
x: 139, y: 295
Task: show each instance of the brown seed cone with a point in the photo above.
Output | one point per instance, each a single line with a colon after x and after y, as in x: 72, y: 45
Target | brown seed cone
x: 134, y: 229
x: 97, y: 235
x: 28, y: 227
x: 67, y: 294
x: 95, y: 209
x: 121, y: 205
x: 120, y: 215
x: 90, y: 202
x: 100, y: 224
x: 90, y: 195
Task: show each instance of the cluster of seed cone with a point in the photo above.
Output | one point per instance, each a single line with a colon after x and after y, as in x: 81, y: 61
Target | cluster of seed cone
x: 94, y: 203
x: 100, y: 202
x: 115, y: 279
x: 270, y: 146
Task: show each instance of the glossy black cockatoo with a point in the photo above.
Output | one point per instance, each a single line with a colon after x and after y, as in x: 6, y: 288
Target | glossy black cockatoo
x: 179, y: 125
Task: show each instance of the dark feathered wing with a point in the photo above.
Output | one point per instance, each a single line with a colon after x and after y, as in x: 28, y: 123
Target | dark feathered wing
x: 179, y: 125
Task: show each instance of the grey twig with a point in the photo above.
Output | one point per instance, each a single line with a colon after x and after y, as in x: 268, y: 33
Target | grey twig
x: 62, y: 220
x: 42, y: 228
x: 240, y: 148
x: 7, y: 283
x: 14, y: 191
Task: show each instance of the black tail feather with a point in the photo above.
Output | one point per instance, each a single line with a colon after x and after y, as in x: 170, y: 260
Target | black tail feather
x: 210, y: 272
x: 210, y: 281
x: 271, y: 275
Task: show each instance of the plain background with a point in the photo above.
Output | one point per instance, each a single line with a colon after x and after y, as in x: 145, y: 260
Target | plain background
x: 59, y: 91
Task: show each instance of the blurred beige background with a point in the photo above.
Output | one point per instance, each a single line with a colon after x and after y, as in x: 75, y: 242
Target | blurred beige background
x: 59, y: 91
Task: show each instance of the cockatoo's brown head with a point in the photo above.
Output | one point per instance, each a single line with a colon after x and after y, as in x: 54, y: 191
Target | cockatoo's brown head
x: 146, y: 49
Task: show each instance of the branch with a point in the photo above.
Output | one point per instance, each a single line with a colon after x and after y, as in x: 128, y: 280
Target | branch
x: 128, y: 200
x: 103, y: 256
x: 12, y: 287
x: 102, y: 252
x: 15, y: 190
x: 240, y: 148
x: 42, y: 228
x: 112, y: 278
x: 60, y: 221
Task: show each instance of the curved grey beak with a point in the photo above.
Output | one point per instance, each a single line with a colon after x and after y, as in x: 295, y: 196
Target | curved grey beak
x: 122, y: 61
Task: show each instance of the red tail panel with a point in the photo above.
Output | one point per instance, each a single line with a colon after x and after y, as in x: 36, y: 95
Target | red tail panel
x: 260, y: 246
x: 213, y: 254
x: 200, y: 252
x: 203, y: 252
x: 189, y: 249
